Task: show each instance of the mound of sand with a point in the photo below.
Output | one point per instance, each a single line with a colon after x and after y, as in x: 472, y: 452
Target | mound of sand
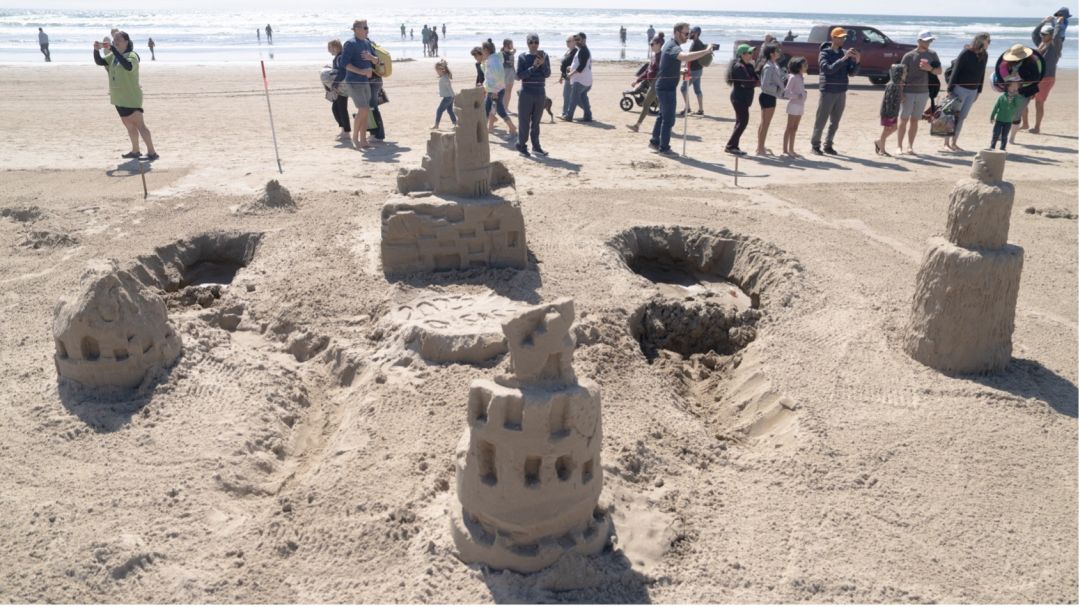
x: 273, y: 197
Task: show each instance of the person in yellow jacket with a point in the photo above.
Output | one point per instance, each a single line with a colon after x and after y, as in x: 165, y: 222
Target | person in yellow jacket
x: 122, y: 64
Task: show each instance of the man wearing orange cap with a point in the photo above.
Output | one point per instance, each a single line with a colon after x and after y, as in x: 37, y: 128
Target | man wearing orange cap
x: 835, y: 65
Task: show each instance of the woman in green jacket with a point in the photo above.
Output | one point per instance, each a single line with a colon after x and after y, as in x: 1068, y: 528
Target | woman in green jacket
x: 122, y: 64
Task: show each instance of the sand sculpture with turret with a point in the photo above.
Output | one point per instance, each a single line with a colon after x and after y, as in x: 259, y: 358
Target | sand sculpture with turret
x: 114, y: 334
x: 528, y: 465
x: 446, y: 216
x: 965, y: 293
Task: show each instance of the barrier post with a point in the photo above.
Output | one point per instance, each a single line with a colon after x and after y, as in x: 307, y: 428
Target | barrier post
x: 273, y: 131
x: 142, y: 173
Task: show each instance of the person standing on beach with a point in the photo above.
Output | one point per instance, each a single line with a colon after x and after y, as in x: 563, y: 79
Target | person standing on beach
x: 795, y: 93
x: 649, y: 80
x: 742, y: 79
x: 258, y: 35
x: 495, y: 87
x: 650, y: 34
x: 695, y: 74
x: 150, y: 45
x: 1022, y: 62
x: 402, y: 31
x: 835, y: 65
x: 667, y: 77
x: 919, y: 63
x: 580, y: 77
x: 564, y: 68
x: 1006, y: 111
x: 357, y: 57
x: 43, y: 42
x: 434, y: 43
x: 965, y: 82
x: 444, y: 30
x: 122, y: 65
x: 533, y: 68
x: 772, y: 89
x: 1049, y: 37
x: 508, y: 53
x: 890, y: 107
x: 339, y: 107
x: 622, y: 35
x: 269, y: 34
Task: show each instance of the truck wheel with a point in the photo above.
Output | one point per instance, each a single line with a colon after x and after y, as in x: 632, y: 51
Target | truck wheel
x: 626, y: 104
x: 879, y: 80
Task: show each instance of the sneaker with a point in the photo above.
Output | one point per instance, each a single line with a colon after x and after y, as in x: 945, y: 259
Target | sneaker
x: 633, y: 127
x: 699, y: 113
x: 830, y: 151
x: 152, y: 157
x: 539, y: 152
x: 524, y: 151
x: 131, y: 155
x: 654, y: 146
x: 586, y: 120
x: 667, y: 152
x: 565, y: 119
x: 817, y: 150
x: 735, y: 151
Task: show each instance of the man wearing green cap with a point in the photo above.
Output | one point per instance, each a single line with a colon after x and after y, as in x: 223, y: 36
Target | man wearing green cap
x: 835, y: 65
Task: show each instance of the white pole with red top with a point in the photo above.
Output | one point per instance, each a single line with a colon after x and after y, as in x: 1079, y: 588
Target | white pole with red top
x: 273, y: 131
x: 686, y: 107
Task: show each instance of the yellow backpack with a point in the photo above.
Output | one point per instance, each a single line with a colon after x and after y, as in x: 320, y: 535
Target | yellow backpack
x: 386, y: 68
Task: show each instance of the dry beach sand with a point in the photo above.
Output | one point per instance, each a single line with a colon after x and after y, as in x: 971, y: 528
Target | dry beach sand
x: 307, y: 455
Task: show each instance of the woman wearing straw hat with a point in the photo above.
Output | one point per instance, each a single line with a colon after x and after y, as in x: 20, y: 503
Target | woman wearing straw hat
x: 1026, y: 64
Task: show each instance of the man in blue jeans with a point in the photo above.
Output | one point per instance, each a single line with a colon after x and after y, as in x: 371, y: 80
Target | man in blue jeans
x: 580, y: 77
x: 667, y: 78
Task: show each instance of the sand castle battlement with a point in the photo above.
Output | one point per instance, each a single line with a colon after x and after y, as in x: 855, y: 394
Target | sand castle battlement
x: 528, y: 465
x: 964, y: 306
x: 446, y: 216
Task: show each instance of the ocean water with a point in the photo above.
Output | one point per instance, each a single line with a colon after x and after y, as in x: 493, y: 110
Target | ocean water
x: 301, y: 36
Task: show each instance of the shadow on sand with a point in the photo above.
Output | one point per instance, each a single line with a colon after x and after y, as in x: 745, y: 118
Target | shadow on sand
x: 1030, y: 379
x: 607, y: 578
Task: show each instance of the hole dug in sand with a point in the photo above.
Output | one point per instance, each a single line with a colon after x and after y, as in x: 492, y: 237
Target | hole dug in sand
x: 198, y: 271
x: 710, y: 289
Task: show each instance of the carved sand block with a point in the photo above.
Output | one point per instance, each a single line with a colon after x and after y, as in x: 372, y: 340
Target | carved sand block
x: 446, y: 217
x: 114, y: 333
x: 964, y: 307
x: 528, y: 466
x: 456, y: 328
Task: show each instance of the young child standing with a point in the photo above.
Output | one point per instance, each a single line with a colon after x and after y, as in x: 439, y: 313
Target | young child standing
x: 890, y: 105
x: 795, y: 93
x: 446, y: 91
x: 1005, y: 110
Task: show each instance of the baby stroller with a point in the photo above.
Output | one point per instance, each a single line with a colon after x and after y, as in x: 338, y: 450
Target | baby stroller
x: 636, y: 96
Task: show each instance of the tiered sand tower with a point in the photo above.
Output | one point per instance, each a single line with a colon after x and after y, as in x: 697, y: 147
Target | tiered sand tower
x: 528, y: 466
x: 965, y: 292
x: 446, y: 217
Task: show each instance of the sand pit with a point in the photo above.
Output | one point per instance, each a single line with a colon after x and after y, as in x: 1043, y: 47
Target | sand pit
x: 47, y: 239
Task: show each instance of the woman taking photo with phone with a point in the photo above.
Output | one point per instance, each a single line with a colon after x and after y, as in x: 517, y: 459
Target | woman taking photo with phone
x: 122, y: 64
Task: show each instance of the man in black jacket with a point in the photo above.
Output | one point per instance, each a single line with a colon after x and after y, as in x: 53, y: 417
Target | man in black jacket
x: 533, y: 67
x: 835, y: 65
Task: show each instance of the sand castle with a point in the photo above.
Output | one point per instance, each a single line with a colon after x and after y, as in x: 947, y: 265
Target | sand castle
x: 528, y: 465
x: 965, y: 293
x: 114, y: 334
x: 445, y: 216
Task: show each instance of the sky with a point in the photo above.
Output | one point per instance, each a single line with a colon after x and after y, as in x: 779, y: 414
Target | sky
x: 968, y: 8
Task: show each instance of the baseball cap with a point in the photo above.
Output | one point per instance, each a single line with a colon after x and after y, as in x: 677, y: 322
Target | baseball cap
x: 1047, y: 29
x: 743, y: 49
x: 926, y: 36
x: 838, y: 32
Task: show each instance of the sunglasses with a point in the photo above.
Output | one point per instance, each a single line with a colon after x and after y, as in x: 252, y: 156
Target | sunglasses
x: 361, y: 27
x: 530, y: 42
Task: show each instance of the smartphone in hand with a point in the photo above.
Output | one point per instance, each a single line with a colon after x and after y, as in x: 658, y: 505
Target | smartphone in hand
x: 715, y: 46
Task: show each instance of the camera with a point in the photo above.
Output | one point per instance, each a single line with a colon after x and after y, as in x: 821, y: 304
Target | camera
x: 715, y: 46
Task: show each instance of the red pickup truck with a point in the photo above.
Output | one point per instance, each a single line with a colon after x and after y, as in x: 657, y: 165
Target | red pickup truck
x: 878, y: 51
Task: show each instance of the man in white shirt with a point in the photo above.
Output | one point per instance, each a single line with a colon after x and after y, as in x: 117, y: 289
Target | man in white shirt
x: 43, y: 41
x: 580, y: 76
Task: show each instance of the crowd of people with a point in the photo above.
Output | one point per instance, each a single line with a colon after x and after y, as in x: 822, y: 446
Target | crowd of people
x: 1022, y: 74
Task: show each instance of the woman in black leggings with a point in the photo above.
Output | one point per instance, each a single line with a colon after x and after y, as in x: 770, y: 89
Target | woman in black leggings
x: 340, y: 105
x: 743, y: 79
